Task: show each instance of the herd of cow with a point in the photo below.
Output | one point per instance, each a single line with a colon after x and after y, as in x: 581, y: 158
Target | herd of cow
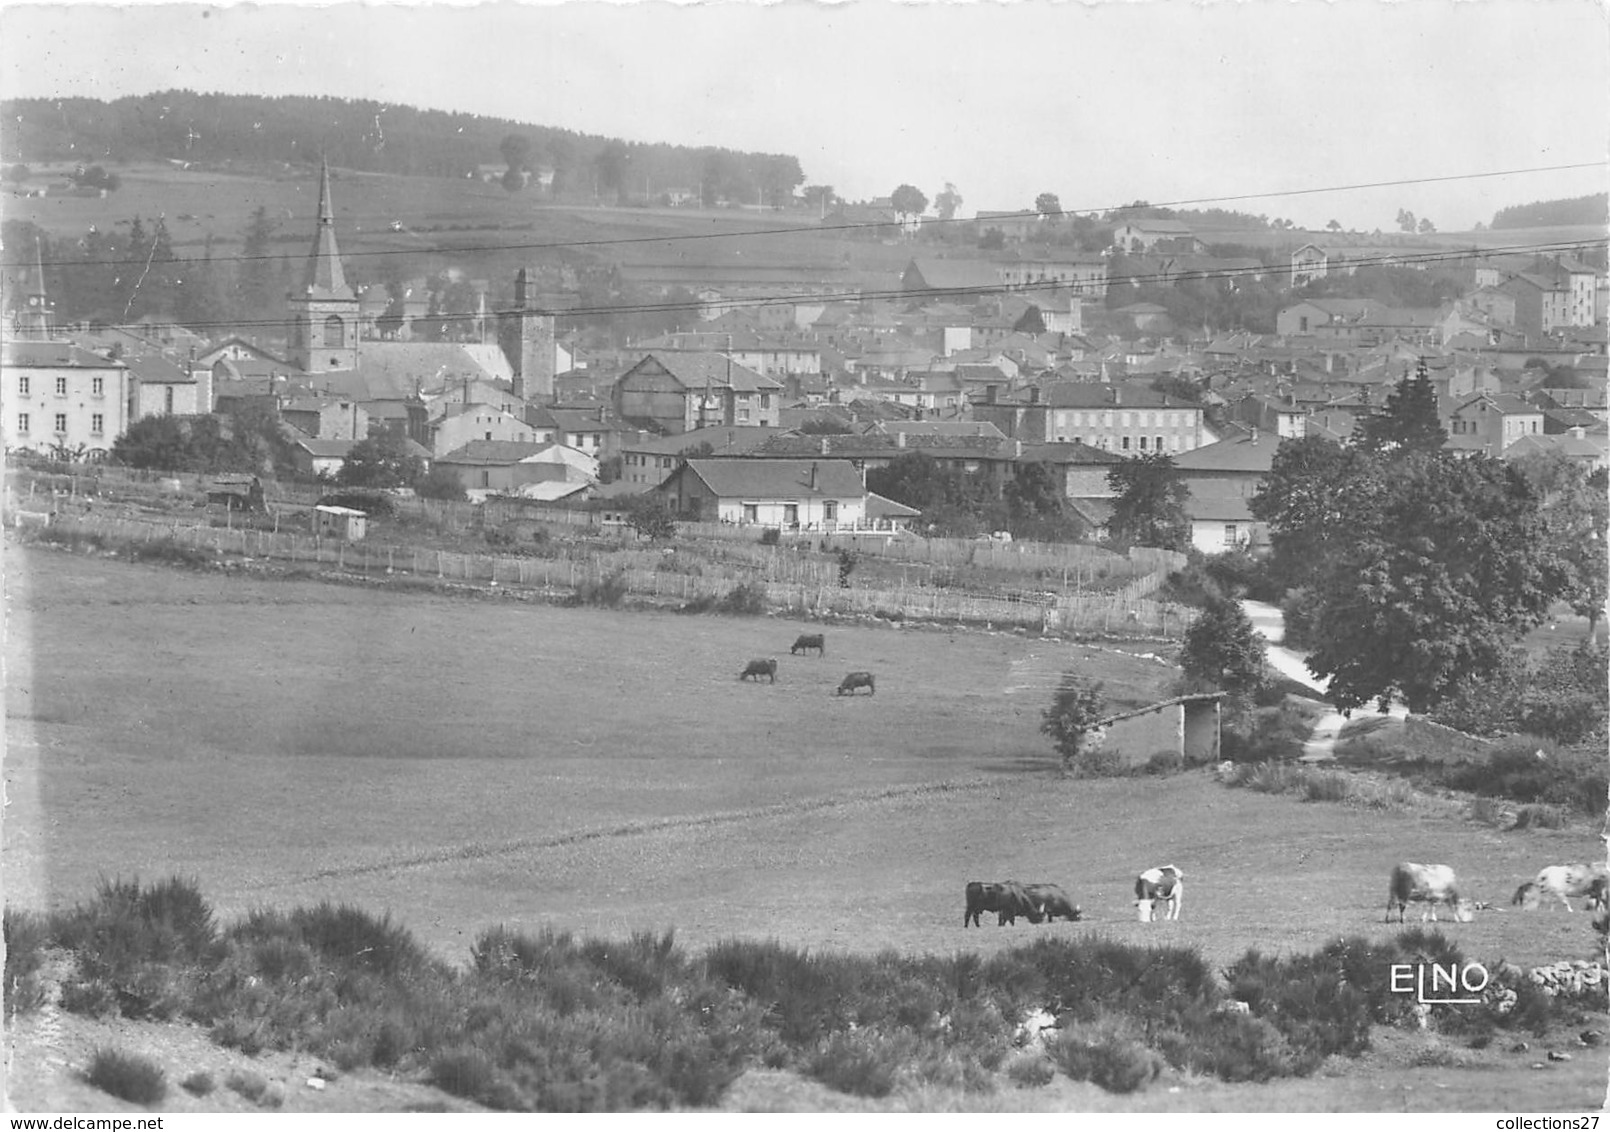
x: 804, y: 643
x: 1160, y: 892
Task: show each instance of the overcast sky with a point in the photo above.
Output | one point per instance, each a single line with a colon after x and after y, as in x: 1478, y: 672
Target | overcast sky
x: 1099, y: 103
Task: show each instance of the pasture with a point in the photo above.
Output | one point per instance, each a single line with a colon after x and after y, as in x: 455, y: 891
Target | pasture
x: 464, y: 763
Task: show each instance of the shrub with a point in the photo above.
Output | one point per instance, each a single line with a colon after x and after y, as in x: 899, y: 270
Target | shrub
x: 168, y: 549
x: 1071, y: 719
x: 127, y: 1076
x: 1102, y: 762
x: 747, y: 599
x: 466, y: 1073
x: 346, y: 935
x: 1232, y: 1047
x: 1488, y: 811
x: 607, y: 592
x: 1325, y: 786
x: 1165, y: 763
x: 771, y: 536
x: 198, y: 1084
x: 1030, y: 1071
x: 25, y: 938
x: 248, y: 1084
x: 1104, y: 1053
x: 1539, y: 817
x: 864, y: 1063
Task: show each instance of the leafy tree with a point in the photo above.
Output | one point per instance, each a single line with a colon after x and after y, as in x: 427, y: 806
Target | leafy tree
x: 825, y: 426
x: 1048, y: 206
x: 948, y: 202
x: 1334, y: 226
x: 908, y: 200
x: 610, y: 165
x: 1223, y: 650
x: 1318, y: 501
x: 819, y: 197
x: 1410, y: 421
x: 1454, y: 566
x: 1071, y: 719
x: 516, y: 151
x: 380, y: 461
x: 513, y: 180
x: 1150, y: 506
x: 1406, y: 220
x: 1425, y: 226
x: 441, y: 483
x: 650, y: 517
x: 1575, y: 512
x: 156, y: 443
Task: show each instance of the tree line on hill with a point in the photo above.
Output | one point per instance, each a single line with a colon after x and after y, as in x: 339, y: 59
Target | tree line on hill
x: 204, y: 130
x: 1590, y: 209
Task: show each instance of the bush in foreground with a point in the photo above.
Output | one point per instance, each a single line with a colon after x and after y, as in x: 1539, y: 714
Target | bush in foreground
x: 127, y: 1076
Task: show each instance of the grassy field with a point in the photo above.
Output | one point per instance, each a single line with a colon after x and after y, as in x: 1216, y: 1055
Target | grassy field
x: 463, y: 763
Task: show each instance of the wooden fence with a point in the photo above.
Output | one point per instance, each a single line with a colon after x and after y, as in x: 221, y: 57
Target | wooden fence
x: 639, y: 573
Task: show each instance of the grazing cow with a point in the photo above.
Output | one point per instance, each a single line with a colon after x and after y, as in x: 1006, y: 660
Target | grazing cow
x: 807, y: 641
x: 1005, y: 898
x: 759, y: 668
x: 1565, y: 882
x: 857, y: 680
x: 1052, y: 902
x: 1165, y: 883
x: 1427, y: 884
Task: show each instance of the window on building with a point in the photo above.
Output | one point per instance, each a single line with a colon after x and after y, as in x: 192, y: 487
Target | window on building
x: 751, y: 512
x: 791, y: 514
x: 167, y: 400
x: 96, y: 423
x: 486, y: 477
x: 22, y: 386
x: 489, y: 436
x: 1143, y: 444
x: 61, y: 387
x: 830, y: 509
x: 1124, y: 444
x: 97, y: 385
x: 1230, y: 537
x: 743, y: 413
x: 22, y: 421
x: 333, y: 331
x: 61, y: 422
x: 1302, y: 324
x: 1157, y: 442
x: 765, y: 400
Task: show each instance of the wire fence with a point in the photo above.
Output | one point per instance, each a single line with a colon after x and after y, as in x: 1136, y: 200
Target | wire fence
x: 809, y: 590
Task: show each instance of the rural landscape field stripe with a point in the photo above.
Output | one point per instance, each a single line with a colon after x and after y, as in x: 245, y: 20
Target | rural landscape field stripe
x: 474, y: 852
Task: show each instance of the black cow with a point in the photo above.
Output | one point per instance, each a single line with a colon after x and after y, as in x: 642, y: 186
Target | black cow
x: 1005, y: 898
x: 1052, y: 902
x: 857, y: 680
x: 807, y: 641
x: 759, y: 668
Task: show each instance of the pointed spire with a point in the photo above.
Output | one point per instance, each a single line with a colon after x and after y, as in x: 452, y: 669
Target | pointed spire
x: 324, y: 278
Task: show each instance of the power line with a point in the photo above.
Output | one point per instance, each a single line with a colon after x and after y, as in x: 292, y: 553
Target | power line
x: 743, y: 233
x: 934, y: 294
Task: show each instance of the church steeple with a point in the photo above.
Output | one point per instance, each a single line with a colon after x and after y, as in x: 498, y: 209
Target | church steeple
x: 33, y: 317
x: 324, y: 312
x: 324, y: 278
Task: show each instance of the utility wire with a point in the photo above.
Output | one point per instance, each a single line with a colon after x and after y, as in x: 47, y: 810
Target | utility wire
x: 930, y: 294
x: 557, y: 245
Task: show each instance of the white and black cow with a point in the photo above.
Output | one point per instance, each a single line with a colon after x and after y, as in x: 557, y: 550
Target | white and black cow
x: 1427, y: 884
x: 1566, y: 883
x: 1164, y: 883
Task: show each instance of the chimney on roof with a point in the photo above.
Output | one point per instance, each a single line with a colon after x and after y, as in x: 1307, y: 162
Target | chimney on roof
x: 1112, y: 394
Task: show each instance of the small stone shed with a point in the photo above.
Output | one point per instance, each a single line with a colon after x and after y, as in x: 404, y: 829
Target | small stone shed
x: 345, y: 523
x: 1185, y: 725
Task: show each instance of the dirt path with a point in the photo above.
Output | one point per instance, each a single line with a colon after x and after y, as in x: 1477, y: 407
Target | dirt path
x: 1321, y: 745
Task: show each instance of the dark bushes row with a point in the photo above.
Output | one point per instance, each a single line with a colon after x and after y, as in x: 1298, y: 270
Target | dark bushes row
x: 554, y: 1022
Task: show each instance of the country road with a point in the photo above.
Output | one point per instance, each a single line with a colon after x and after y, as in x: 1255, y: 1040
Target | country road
x: 1321, y: 745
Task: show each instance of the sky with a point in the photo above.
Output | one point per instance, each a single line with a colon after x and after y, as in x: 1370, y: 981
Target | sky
x: 1101, y: 103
